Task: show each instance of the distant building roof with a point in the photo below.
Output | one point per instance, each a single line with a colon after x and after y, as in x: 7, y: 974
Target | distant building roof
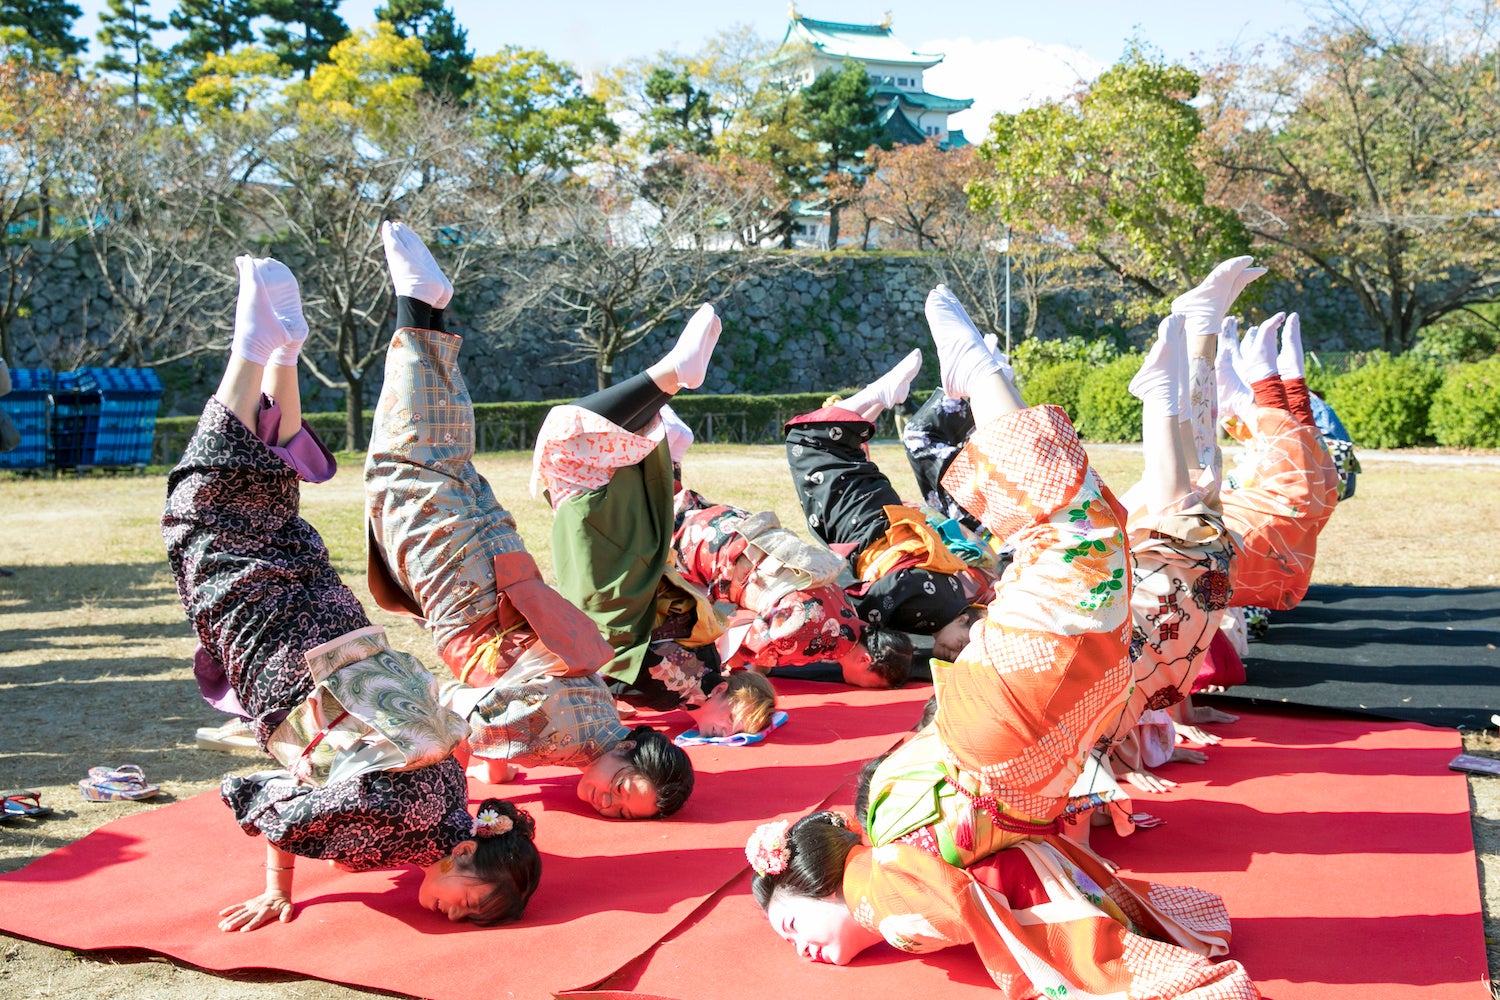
x: 862, y: 42
x: 899, y: 127
x: 956, y: 139
x: 925, y: 101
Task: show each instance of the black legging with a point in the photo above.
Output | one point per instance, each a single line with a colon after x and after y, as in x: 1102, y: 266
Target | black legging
x: 417, y: 315
x: 631, y: 403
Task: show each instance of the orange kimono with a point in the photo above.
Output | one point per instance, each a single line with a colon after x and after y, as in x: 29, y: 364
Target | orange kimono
x: 1042, y: 675
x: 1045, y: 924
x: 1275, y: 515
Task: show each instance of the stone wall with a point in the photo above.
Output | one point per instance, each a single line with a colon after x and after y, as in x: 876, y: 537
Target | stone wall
x: 832, y: 322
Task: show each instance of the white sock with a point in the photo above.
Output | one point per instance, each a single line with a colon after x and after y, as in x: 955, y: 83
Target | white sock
x: 694, y: 348
x: 888, y: 391
x: 1156, y: 384
x: 679, y: 434
x: 1002, y: 359
x: 268, y: 312
x: 1235, y: 396
x: 1246, y: 276
x: 1204, y: 306
x: 962, y: 356
x: 1257, y: 357
x: 1289, y: 363
x: 414, y: 272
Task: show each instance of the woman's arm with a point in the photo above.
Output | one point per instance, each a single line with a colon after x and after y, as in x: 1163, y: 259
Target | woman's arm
x: 273, y: 904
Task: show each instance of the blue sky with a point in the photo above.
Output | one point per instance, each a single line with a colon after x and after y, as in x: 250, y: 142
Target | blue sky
x: 1004, y: 55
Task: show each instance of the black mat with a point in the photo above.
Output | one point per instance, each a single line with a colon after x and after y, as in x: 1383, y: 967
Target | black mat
x: 1421, y: 654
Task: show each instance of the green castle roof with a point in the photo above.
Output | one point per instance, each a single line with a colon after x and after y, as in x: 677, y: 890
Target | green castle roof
x: 927, y: 102
x: 862, y: 42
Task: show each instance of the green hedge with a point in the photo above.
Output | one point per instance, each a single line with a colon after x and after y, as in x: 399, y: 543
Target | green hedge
x: 513, y: 426
x: 1057, y: 384
x: 1106, y: 409
x: 1385, y: 403
x: 1466, y: 407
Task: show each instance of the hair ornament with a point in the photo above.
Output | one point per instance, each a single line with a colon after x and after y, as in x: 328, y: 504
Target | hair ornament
x: 490, y: 823
x: 767, y: 849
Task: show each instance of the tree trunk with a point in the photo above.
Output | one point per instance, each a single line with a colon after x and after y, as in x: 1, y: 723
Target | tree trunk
x: 604, y: 369
x: 833, y: 226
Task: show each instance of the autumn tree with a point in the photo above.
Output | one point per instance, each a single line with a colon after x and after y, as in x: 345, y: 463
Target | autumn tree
x: 444, y: 40
x: 350, y: 146
x: 1369, y: 154
x: 531, y: 113
x: 1115, y: 172
x: 38, y: 150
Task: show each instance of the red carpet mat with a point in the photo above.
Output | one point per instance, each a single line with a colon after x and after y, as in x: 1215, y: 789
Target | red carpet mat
x: 1342, y: 847
x: 609, y: 891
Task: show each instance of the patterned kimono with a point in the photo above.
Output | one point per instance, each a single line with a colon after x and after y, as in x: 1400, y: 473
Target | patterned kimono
x: 1284, y: 495
x: 791, y: 612
x: 374, y: 789
x: 611, y: 494
x: 908, y: 579
x: 441, y: 548
x: 1048, y: 923
x: 1042, y: 675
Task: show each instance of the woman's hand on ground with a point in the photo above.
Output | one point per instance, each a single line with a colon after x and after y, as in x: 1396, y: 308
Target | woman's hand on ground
x: 1148, y: 782
x: 1182, y: 755
x: 1207, y: 713
x: 252, y: 913
x: 1192, y: 734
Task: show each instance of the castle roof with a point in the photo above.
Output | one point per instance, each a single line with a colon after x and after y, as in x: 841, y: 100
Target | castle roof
x: 861, y: 42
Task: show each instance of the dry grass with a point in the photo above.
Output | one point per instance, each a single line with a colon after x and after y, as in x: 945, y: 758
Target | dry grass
x: 95, y: 654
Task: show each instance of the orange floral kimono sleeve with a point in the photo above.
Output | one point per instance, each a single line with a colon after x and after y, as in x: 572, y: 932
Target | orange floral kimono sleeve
x: 1045, y: 935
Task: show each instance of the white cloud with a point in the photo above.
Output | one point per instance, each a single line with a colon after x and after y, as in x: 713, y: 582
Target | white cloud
x: 1003, y: 74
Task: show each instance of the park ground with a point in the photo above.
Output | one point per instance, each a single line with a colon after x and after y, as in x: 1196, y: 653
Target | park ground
x: 95, y: 654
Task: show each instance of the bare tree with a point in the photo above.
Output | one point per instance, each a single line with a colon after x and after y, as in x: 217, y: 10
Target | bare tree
x: 632, y: 250
x: 319, y: 195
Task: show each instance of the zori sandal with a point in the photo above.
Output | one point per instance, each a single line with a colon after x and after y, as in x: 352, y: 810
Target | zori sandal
x: 124, y: 782
x: 23, y: 802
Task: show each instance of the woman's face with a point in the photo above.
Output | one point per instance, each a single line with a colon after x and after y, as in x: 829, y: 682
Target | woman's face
x: 615, y: 790
x: 856, y: 668
x: 449, y: 888
x: 950, y: 640
x: 822, y: 930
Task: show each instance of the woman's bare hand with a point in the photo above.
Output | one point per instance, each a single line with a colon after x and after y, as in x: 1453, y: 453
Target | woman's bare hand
x: 252, y: 913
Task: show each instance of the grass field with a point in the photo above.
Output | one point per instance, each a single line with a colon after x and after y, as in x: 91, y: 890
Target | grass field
x: 95, y: 654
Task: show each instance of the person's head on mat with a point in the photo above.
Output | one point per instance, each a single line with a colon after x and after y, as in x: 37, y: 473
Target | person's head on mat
x: 799, y: 875
x: 950, y: 640
x: 487, y: 879
x: 744, y: 703
x: 642, y: 777
x: 881, y: 659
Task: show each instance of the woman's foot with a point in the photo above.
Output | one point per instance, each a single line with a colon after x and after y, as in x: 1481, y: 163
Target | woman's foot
x: 1289, y: 363
x: 962, y: 356
x: 1162, y: 376
x: 1204, y: 306
x: 268, y: 323
x: 888, y: 391
x: 414, y: 272
x: 689, y: 357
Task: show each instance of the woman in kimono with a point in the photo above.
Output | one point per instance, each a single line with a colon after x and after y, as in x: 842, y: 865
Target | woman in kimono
x: 1046, y: 671
x: 442, y: 548
x: 366, y: 778
x: 605, y: 466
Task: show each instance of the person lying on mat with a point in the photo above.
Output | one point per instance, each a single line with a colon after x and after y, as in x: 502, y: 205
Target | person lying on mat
x: 791, y: 610
x: 1019, y: 711
x: 605, y: 466
x: 907, y: 579
x: 443, y: 549
x: 367, y: 778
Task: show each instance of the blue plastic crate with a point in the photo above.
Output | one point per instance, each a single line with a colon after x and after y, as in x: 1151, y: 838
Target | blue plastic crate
x: 125, y: 419
x: 27, y: 407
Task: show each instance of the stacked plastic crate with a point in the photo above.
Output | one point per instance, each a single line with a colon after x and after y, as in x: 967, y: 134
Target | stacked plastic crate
x: 27, y: 406
x: 104, y: 417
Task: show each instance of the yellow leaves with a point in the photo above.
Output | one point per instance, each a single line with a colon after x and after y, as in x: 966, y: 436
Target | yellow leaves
x: 370, y: 75
x: 236, y: 81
